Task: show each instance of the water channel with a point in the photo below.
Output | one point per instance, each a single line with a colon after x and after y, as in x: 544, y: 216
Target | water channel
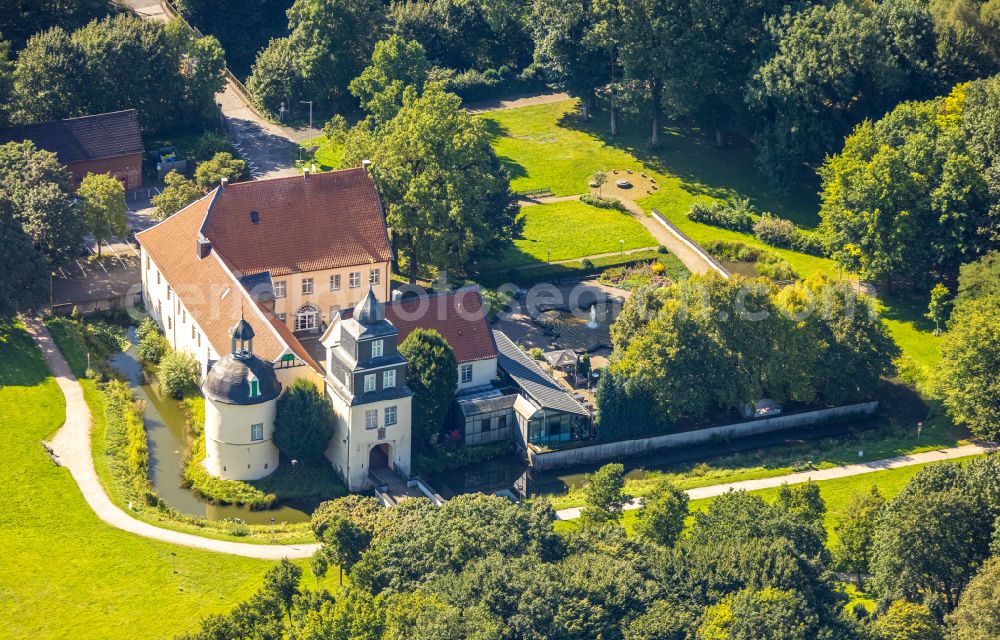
x: 168, y: 439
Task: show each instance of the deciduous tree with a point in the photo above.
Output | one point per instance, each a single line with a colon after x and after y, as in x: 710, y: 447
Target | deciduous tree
x: 303, y: 421
x: 102, y: 199
x: 856, y: 532
x: 604, y: 495
x: 223, y: 165
x: 966, y: 377
x: 395, y: 65
x: 662, y: 517
x: 448, y: 196
x: 978, y: 614
x: 432, y: 376
x: 38, y: 189
x: 178, y: 193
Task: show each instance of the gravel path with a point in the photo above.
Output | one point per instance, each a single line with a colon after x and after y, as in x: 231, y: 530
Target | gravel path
x: 71, y: 446
x: 816, y: 476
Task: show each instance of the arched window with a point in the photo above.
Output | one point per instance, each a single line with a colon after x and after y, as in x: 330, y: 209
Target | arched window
x: 307, y: 318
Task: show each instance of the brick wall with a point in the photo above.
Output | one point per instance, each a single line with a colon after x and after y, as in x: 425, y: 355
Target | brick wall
x: 128, y: 169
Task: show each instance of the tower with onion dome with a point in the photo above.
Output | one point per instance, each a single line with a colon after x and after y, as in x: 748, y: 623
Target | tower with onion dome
x: 241, y: 393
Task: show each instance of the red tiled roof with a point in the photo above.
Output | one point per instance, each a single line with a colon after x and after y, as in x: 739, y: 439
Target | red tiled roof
x: 209, y: 290
x: 323, y: 221
x: 457, y: 315
x: 105, y: 135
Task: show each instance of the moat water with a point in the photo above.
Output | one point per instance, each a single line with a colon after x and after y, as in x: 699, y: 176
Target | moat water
x: 169, y: 441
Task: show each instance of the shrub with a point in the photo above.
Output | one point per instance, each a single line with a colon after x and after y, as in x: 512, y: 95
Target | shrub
x: 775, y: 231
x: 736, y: 216
x: 811, y: 243
x: 211, y: 143
x: 178, y: 373
x: 125, y: 440
x: 535, y: 353
x: 662, y: 249
x: 151, y: 347
x: 587, y: 263
x: 658, y: 268
x: 603, y: 203
x: 146, y: 327
x: 768, y: 264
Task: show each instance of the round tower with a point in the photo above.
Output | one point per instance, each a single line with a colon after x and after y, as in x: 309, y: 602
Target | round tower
x: 241, y: 393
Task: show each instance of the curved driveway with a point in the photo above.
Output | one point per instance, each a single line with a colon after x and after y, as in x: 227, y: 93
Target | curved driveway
x: 71, y: 446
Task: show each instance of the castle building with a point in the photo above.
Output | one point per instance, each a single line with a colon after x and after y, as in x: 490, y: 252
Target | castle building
x: 241, y: 392
x: 366, y: 383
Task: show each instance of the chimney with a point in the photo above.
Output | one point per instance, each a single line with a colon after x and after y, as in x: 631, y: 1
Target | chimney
x: 366, y: 164
x: 204, y: 247
x: 223, y: 182
x: 305, y: 173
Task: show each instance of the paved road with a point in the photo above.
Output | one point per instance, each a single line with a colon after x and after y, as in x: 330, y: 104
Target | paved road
x: 269, y: 149
x: 71, y: 445
x: 805, y: 476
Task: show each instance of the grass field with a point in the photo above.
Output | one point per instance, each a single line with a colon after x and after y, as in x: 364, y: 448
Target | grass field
x: 66, y: 574
x: 571, y: 229
x: 327, y: 155
x: 885, y: 441
x: 550, y: 146
x: 836, y: 493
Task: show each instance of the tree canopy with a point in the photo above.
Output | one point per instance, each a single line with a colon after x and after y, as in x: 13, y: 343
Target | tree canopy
x: 303, y: 422
x: 432, y: 376
x: 103, y: 203
x: 448, y: 198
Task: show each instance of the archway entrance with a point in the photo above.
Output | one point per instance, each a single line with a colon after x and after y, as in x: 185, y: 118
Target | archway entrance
x: 380, y: 458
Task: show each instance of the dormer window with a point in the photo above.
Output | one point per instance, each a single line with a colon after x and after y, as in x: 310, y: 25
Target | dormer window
x: 377, y: 349
x: 254, y: 387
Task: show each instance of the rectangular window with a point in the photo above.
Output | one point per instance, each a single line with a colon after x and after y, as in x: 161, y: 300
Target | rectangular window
x: 369, y: 382
x: 334, y: 308
x: 256, y: 432
x: 147, y: 263
x: 377, y: 349
x: 335, y: 283
x: 389, y: 379
x: 502, y: 422
x: 184, y: 315
x: 282, y: 316
x: 254, y: 388
x: 355, y: 280
x: 157, y: 277
x: 279, y: 288
x: 307, y: 286
x: 371, y: 419
x: 169, y: 292
x: 192, y: 332
x: 199, y: 339
x: 170, y: 323
x: 390, y: 416
x: 374, y: 276
x: 485, y: 424
x: 466, y: 373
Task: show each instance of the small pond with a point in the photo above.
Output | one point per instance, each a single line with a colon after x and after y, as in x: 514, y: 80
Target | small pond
x: 741, y: 268
x: 583, y: 329
x: 168, y: 440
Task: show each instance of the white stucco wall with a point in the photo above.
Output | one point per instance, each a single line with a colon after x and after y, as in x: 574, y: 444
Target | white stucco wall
x: 352, y: 443
x: 483, y: 373
x: 166, y: 308
x: 229, y: 451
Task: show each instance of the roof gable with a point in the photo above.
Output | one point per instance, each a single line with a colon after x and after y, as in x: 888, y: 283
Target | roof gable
x: 212, y: 295
x: 302, y: 223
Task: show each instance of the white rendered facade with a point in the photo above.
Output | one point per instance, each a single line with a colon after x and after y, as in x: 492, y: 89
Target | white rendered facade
x: 231, y: 451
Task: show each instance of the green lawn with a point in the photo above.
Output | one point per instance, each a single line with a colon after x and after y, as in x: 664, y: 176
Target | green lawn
x: 836, y: 493
x: 549, y: 146
x: 571, y: 229
x: 882, y: 442
x: 66, y: 574
x: 327, y: 156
